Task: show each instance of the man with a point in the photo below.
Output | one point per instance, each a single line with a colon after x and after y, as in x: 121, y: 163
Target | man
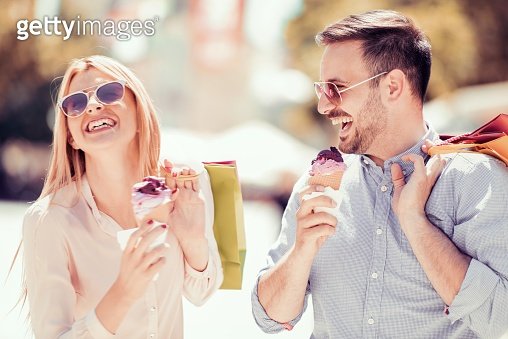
x: 406, y: 256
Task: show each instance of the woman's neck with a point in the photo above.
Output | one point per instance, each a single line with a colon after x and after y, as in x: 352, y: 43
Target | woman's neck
x: 110, y: 178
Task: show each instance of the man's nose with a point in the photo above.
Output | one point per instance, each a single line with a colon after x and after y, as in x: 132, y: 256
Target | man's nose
x: 324, y: 105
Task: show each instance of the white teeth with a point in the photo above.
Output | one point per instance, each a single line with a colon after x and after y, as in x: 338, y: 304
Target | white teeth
x: 341, y: 120
x: 100, y: 123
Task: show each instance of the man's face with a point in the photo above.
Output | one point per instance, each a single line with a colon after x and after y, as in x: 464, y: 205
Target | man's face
x: 360, y: 115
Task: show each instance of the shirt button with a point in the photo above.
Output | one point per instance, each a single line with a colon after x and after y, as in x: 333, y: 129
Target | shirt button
x: 384, y: 188
x: 152, y: 335
x: 374, y: 275
x: 153, y: 308
x: 365, y: 161
x: 379, y: 231
x: 370, y: 321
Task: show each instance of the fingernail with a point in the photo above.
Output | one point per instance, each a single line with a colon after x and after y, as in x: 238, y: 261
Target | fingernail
x: 164, y: 225
x: 150, y: 222
x: 166, y: 245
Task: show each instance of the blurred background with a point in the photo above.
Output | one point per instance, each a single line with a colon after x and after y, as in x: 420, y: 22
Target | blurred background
x: 231, y: 79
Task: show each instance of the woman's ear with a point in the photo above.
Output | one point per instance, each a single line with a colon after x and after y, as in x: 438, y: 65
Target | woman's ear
x: 71, y: 141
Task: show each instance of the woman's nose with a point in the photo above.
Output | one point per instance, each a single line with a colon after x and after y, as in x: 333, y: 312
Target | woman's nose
x: 93, y: 105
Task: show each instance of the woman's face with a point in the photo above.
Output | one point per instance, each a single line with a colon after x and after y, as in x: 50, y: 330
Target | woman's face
x: 101, y: 127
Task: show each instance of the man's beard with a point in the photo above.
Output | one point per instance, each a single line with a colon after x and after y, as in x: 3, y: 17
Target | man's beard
x: 370, y: 122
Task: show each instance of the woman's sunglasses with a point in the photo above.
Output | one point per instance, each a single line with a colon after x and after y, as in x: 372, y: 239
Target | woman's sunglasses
x: 73, y: 105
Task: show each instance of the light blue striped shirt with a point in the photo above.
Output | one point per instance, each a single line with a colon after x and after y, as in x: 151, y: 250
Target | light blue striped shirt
x: 366, y: 282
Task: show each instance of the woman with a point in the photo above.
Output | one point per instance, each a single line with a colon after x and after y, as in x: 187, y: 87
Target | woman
x: 79, y: 282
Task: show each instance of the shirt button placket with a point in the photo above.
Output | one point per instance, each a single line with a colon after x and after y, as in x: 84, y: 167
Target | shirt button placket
x: 153, y: 314
x: 375, y: 285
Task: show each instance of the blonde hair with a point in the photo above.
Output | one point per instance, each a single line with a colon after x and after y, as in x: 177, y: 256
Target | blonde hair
x: 67, y: 164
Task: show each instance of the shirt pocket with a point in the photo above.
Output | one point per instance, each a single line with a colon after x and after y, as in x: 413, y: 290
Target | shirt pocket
x: 409, y: 267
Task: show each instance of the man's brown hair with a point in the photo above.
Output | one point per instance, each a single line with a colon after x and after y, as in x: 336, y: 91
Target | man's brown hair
x: 390, y: 41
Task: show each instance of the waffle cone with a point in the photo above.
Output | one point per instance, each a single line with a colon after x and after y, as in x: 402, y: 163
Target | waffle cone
x: 328, y: 180
x: 168, y: 175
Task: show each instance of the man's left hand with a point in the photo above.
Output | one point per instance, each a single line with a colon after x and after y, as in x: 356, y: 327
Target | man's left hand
x: 409, y: 198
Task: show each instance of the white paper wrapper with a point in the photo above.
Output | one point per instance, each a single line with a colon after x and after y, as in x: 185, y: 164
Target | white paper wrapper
x: 122, y: 237
x: 336, y: 195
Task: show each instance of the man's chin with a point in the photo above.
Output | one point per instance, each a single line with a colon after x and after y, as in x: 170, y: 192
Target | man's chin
x: 348, y: 148
x: 344, y: 149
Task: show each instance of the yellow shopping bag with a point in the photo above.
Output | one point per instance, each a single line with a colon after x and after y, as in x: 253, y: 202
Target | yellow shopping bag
x: 228, y: 225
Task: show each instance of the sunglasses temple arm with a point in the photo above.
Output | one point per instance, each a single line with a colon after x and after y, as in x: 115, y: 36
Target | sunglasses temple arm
x: 362, y: 82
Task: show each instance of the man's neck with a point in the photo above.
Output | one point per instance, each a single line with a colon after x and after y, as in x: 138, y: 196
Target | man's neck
x: 396, y: 141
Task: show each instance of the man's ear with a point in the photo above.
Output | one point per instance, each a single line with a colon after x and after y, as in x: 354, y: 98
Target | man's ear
x: 396, y: 84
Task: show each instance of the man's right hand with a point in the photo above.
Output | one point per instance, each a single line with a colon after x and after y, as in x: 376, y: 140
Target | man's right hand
x: 313, y: 228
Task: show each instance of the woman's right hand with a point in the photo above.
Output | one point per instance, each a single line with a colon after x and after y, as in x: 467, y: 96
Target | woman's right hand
x: 138, y: 267
x: 139, y: 263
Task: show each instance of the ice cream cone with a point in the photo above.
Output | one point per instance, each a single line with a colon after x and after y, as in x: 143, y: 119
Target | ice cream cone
x: 327, y: 169
x: 150, y: 200
x: 159, y: 213
x: 327, y: 180
x: 169, y: 175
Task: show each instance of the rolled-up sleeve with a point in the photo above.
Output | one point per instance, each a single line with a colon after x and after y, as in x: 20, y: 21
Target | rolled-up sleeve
x: 51, y: 295
x: 199, y: 286
x: 481, y: 231
x: 283, y: 244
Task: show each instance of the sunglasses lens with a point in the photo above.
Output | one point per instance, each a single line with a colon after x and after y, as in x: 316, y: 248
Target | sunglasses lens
x: 75, y: 104
x: 110, y: 92
x: 331, y: 93
x: 318, y: 89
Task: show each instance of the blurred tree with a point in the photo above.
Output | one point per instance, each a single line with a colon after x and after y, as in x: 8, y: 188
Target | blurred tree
x: 468, y: 43
x: 454, y: 48
x: 489, y: 19
x: 27, y: 70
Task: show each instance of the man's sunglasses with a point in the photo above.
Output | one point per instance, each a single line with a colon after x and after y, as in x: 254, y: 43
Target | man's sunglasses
x: 74, y: 104
x: 332, y: 92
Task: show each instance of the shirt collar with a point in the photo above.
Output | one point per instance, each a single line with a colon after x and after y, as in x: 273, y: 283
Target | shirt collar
x: 106, y: 223
x: 87, y: 194
x: 407, y: 167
